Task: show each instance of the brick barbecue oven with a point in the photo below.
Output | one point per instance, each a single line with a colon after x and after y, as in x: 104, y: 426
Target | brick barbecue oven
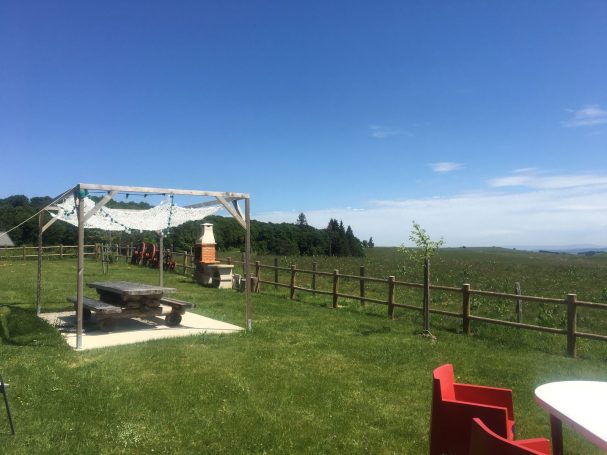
x: 209, y: 271
x: 205, y: 247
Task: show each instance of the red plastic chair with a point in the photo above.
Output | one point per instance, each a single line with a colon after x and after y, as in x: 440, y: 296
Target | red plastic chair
x: 455, y: 405
x: 483, y: 441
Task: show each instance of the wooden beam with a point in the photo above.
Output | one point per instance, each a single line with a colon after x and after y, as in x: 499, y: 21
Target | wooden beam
x: 207, y: 204
x: 232, y: 211
x: 237, y: 207
x: 48, y: 224
x: 151, y: 190
x: 99, y: 205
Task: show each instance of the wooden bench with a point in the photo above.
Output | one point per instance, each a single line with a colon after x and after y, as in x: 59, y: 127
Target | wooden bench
x: 97, y: 306
x: 178, y: 308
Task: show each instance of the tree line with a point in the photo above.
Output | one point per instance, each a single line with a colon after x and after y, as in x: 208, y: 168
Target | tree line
x: 285, y: 239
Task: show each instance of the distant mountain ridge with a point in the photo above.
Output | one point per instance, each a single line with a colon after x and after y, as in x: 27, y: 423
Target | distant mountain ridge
x: 570, y: 249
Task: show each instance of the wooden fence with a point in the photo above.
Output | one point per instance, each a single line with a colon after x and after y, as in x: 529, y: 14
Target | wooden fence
x: 465, y: 292
x: 58, y: 251
x: 184, y: 263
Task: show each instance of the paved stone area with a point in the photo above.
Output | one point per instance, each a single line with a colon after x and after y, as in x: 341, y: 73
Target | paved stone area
x: 128, y: 331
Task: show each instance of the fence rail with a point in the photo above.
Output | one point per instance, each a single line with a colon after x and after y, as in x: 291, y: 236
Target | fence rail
x: 60, y: 251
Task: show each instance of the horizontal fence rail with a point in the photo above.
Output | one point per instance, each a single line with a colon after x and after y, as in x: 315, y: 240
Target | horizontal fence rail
x: 60, y: 251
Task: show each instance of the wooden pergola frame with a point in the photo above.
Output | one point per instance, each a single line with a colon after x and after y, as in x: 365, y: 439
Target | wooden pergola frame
x: 80, y: 191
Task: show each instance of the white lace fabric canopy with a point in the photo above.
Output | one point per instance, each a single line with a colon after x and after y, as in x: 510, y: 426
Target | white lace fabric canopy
x: 158, y: 218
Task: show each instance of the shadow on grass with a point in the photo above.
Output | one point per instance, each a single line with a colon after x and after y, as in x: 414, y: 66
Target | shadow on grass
x: 371, y: 330
x: 21, y: 327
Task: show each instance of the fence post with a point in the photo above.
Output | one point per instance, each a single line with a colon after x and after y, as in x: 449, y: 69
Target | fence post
x: 314, y: 267
x: 362, y: 284
x: 292, y: 293
x: 275, y: 272
x: 229, y: 260
x: 24, y: 252
x: 391, y: 297
x: 571, y: 323
x: 258, y: 276
x: 61, y: 251
x: 335, y: 286
x: 466, y: 308
x: 519, y: 302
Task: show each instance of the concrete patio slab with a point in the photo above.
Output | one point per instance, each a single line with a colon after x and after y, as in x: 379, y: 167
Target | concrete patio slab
x: 129, y: 331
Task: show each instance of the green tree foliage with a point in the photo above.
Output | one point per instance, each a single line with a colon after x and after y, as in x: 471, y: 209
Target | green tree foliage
x: 425, y: 247
x: 342, y: 241
x: 302, y: 220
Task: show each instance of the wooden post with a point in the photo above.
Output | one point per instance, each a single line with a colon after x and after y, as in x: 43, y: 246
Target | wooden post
x: 247, y: 258
x: 61, y: 251
x: 571, y: 323
x: 275, y: 272
x: 466, y: 308
x: 229, y: 260
x: 185, y: 258
x: 161, y: 260
x: 335, y: 287
x: 257, y: 275
x: 519, y: 302
x: 292, y: 293
x: 314, y: 267
x: 391, y: 297
x: 24, y: 252
x: 39, y: 286
x: 80, y: 277
x: 362, y: 284
x: 426, y: 304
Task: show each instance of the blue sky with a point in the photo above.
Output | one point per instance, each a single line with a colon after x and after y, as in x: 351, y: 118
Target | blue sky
x: 486, y: 122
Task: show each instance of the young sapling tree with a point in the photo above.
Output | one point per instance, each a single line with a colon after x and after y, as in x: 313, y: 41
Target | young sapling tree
x: 423, y: 251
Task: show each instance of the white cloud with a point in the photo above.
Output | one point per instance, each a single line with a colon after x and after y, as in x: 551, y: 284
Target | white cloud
x: 589, y: 115
x: 552, y: 215
x: 446, y: 166
x: 382, y: 132
x: 530, y: 179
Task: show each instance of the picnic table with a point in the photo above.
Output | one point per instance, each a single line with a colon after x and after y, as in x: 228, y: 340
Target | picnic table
x: 125, y: 300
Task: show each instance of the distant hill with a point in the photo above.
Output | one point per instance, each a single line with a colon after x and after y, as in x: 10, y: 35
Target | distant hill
x: 567, y: 249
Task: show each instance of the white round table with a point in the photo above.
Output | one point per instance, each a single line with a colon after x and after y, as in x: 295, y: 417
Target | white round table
x: 581, y: 404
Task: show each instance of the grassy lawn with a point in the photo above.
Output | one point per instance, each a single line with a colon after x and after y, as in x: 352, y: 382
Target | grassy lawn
x: 309, y: 379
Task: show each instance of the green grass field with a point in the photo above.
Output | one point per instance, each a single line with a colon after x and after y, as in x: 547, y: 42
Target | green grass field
x: 309, y: 379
